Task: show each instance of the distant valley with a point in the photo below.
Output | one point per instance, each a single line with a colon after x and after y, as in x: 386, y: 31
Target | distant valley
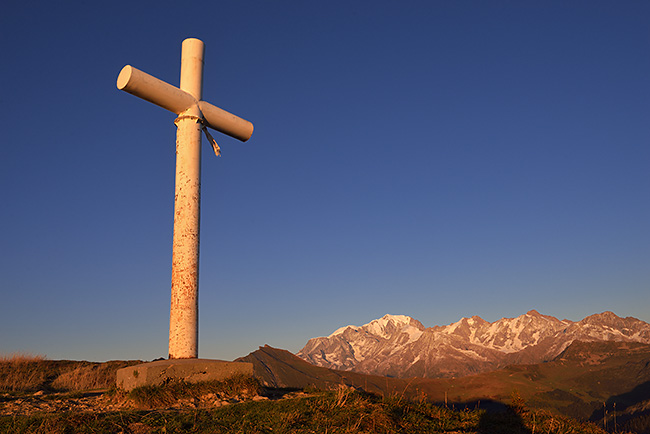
x: 595, y: 369
x: 603, y: 381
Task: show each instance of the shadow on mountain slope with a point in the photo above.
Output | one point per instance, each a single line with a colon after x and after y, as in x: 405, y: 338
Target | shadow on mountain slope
x: 502, y: 422
x: 281, y: 369
x: 630, y: 410
x: 576, y: 384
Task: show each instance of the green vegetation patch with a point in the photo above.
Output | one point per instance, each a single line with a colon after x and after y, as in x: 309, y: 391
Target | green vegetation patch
x: 236, y: 388
x: 341, y: 411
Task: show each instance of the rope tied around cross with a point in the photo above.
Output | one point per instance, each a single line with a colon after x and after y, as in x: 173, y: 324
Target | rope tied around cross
x: 204, y: 128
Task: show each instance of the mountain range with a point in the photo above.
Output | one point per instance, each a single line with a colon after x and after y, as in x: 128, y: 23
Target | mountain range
x: 400, y: 346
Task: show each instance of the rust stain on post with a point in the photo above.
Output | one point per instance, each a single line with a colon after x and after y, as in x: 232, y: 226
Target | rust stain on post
x: 184, y: 306
x: 183, y: 319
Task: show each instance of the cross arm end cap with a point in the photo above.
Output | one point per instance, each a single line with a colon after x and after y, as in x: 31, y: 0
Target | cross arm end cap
x: 124, y: 77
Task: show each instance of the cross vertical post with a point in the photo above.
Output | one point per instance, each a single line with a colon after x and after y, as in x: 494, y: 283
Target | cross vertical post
x: 184, y: 307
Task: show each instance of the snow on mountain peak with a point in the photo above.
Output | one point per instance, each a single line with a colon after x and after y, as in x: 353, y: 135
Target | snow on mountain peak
x: 340, y: 331
x: 403, y: 319
x: 398, y: 345
x: 380, y: 325
x: 386, y: 325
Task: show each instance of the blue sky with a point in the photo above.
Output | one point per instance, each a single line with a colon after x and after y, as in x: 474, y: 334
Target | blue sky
x: 438, y: 159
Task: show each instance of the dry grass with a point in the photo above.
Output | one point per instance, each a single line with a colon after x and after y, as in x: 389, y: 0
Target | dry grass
x: 21, y: 371
x: 88, y: 377
x: 21, y: 358
x: 24, y: 373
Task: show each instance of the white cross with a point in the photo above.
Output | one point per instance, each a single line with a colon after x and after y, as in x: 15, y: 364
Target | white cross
x: 194, y: 115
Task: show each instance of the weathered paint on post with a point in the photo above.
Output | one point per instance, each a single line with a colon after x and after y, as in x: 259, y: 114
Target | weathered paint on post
x: 193, y: 114
x: 184, y: 308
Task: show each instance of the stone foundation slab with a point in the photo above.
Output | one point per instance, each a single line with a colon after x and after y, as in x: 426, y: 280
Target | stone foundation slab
x: 190, y: 370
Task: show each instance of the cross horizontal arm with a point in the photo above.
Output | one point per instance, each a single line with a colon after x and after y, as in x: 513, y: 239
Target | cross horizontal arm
x: 226, y: 122
x: 156, y: 91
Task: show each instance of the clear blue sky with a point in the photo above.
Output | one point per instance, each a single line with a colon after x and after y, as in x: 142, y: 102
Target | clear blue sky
x: 438, y: 159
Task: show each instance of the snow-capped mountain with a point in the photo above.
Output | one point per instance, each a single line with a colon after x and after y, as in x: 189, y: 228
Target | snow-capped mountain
x: 400, y: 346
x: 351, y: 346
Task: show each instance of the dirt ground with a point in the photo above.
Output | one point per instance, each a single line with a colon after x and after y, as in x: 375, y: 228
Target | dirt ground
x: 101, y: 402
x: 57, y: 402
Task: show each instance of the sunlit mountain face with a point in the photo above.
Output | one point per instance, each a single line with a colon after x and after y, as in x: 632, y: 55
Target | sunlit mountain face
x: 400, y: 346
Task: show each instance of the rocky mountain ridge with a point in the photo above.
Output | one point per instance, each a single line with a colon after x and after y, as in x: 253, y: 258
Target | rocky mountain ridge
x: 400, y: 346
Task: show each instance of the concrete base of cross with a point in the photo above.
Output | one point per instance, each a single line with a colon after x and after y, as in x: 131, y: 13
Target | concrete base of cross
x: 190, y: 370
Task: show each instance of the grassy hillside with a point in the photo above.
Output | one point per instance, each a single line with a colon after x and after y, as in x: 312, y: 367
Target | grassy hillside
x: 607, y: 382
x: 25, y: 373
x: 343, y: 410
